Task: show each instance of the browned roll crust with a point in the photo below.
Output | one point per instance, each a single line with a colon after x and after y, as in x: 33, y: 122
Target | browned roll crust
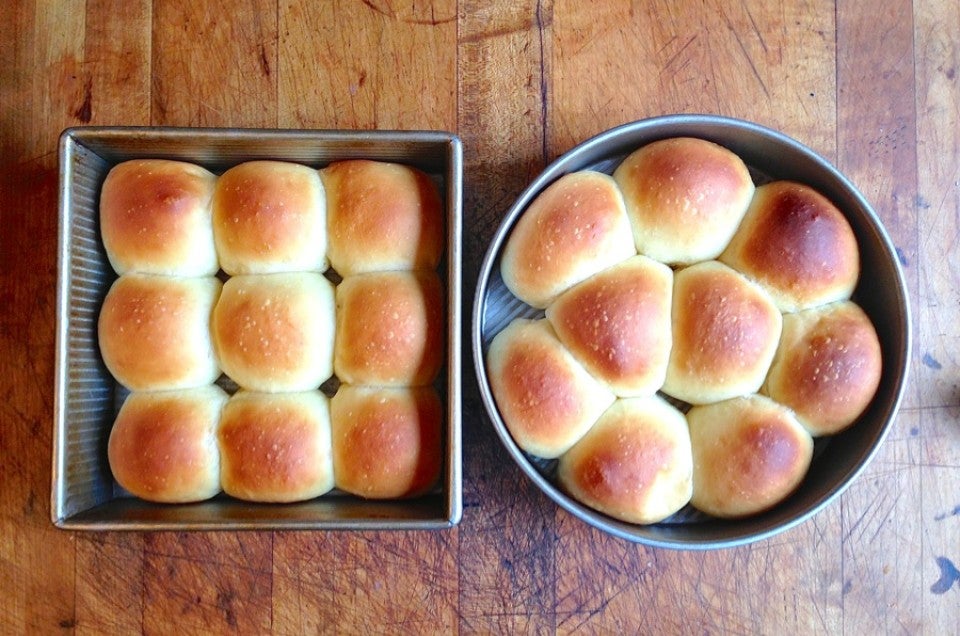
x: 685, y: 198
x: 275, y: 447
x: 390, y: 328
x: 382, y: 216
x: 386, y: 441
x: 725, y: 334
x: 270, y: 216
x: 155, y: 218
x: 573, y: 229
x: 154, y: 331
x: 163, y: 445
x: 797, y: 245
x: 827, y: 368
x: 275, y: 332
x: 749, y: 454
x: 634, y: 464
x: 547, y: 400
x: 617, y: 324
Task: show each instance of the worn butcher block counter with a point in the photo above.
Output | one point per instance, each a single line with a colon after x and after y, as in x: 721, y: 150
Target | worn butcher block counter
x: 873, y: 87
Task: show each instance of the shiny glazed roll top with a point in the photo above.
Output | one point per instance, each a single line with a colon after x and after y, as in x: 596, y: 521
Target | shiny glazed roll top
x: 573, y: 229
x: 725, y: 334
x: 617, y: 324
x: 797, y: 245
x: 155, y: 218
x: 269, y: 217
x: 547, y: 399
x: 685, y: 198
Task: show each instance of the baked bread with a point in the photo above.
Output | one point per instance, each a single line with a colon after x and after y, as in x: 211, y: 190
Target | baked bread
x: 797, y: 245
x: 752, y: 327
x: 573, y: 229
x: 725, y: 333
x: 634, y: 464
x: 827, y: 367
x: 617, y: 324
x: 685, y: 198
x: 163, y: 445
x: 268, y: 217
x: 275, y: 447
x: 275, y: 332
x: 547, y: 400
x: 386, y: 441
x: 381, y: 216
x: 749, y: 453
x: 154, y: 331
x: 390, y: 328
x: 155, y: 218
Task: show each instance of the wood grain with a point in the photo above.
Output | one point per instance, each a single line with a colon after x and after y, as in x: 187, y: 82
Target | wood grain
x: 374, y: 582
x: 769, y: 63
x: 883, y: 589
x: 873, y: 87
x: 212, y: 582
x: 609, y: 586
x: 878, y: 125
x: 211, y: 71
x: 939, y: 463
x: 110, y: 583
x: 117, y: 59
x: 353, y: 64
x: 507, y: 541
x: 42, y: 92
x: 937, y: 94
x: 504, y: 66
x: 937, y: 37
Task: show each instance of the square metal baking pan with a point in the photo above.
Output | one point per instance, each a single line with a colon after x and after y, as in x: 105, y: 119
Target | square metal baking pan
x: 84, y: 494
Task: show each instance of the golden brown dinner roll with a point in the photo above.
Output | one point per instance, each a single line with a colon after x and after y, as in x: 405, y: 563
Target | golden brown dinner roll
x: 685, y: 198
x: 390, y: 328
x: 163, y: 445
x: 275, y: 447
x: 573, y: 229
x: 275, y: 332
x: 797, y: 245
x: 725, y: 333
x: 634, y: 464
x: 827, y: 367
x: 547, y: 400
x: 382, y: 216
x: 386, y: 440
x: 154, y: 331
x: 270, y: 216
x: 155, y: 218
x: 749, y: 453
x: 617, y: 324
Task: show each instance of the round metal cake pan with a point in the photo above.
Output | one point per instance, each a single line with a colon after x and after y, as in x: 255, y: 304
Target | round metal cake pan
x: 881, y: 292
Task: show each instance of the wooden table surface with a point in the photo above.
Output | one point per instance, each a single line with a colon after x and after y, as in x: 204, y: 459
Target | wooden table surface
x: 871, y: 86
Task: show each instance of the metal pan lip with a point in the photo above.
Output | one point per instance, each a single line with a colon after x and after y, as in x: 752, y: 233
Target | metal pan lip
x: 811, y: 167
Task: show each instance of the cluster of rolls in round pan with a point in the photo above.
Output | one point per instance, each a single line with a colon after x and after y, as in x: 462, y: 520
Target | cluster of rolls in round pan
x: 677, y: 277
x: 292, y: 283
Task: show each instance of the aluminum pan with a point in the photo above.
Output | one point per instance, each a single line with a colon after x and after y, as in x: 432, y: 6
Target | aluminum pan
x: 881, y: 292
x: 83, y: 493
